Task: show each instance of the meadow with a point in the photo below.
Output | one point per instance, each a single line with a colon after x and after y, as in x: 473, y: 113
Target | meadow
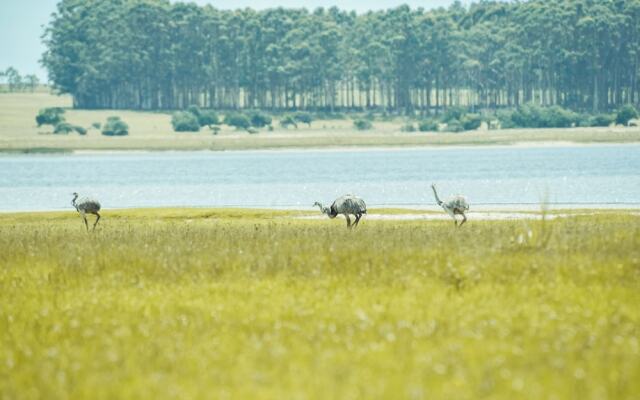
x: 178, y: 303
x: 153, y: 131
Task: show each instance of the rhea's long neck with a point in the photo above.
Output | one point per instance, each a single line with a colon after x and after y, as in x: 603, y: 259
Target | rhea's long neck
x: 323, y: 209
x: 436, y: 194
x: 73, y: 202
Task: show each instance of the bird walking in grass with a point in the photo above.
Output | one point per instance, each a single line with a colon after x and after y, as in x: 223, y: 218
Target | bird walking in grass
x: 345, y: 205
x: 455, y: 205
x: 87, y: 206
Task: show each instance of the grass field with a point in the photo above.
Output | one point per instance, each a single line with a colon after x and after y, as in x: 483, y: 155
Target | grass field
x: 152, y: 131
x: 256, y: 304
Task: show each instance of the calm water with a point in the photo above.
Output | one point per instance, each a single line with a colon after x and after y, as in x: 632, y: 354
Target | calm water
x: 295, y: 179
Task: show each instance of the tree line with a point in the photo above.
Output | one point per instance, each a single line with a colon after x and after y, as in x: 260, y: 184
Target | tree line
x: 13, y: 81
x: 153, y: 54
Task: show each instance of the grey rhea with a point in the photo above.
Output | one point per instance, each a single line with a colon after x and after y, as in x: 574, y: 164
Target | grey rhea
x: 455, y: 205
x: 87, y: 206
x: 345, y: 205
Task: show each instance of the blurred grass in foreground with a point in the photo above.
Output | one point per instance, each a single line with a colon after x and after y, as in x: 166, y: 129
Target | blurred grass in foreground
x: 256, y: 304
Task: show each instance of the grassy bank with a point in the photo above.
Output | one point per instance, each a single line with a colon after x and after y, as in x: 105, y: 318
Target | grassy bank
x: 152, y: 131
x: 256, y: 304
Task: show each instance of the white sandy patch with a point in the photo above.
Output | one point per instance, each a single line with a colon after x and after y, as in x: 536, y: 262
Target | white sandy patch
x: 478, y: 216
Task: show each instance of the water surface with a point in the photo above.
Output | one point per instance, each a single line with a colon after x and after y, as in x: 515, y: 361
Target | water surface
x: 500, y: 176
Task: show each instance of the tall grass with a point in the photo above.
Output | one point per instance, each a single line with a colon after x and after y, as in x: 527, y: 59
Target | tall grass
x: 249, y: 304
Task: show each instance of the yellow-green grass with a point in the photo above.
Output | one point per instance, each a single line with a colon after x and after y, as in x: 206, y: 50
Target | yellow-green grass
x: 153, y: 131
x: 256, y: 304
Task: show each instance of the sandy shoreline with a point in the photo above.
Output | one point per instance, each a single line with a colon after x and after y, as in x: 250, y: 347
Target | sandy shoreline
x: 373, y: 147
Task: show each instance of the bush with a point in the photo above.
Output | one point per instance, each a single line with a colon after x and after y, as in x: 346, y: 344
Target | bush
x: 260, y: 120
x: 208, y: 118
x: 304, y: 117
x: 453, y: 113
x: 252, y: 130
x: 63, y: 128
x: 471, y: 122
x: 115, y: 127
x: 287, y: 121
x: 505, y: 117
x: 185, y: 121
x: 601, y: 120
x: 626, y: 114
x: 558, y: 117
x: 96, y: 125
x: 50, y: 116
x: 239, y: 121
x: 454, y: 126
x: 193, y: 109
x: 408, y: 128
x: 428, y: 125
x: 533, y: 116
x: 362, y: 124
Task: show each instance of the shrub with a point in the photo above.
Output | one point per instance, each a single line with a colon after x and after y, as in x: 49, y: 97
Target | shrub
x: 50, y: 116
x: 287, y: 121
x: 454, y: 126
x: 533, y: 116
x: 601, y: 120
x: 185, y: 121
x: 193, y: 109
x: 304, y: 117
x: 626, y: 114
x: 239, y: 121
x: 409, y: 127
x: 505, y: 117
x: 260, y: 120
x: 471, y: 122
x: 558, y: 117
x: 63, y: 128
x: 453, y: 113
x: 208, y: 118
x: 252, y: 130
x: 215, y: 129
x: 115, y: 127
x: 362, y: 124
x: 96, y: 125
x: 428, y: 125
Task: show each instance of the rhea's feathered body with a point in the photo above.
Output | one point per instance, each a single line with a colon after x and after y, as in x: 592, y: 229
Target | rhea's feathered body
x: 345, y: 205
x: 455, y: 205
x: 87, y: 205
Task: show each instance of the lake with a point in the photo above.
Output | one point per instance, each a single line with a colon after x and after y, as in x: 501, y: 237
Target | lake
x: 502, y: 177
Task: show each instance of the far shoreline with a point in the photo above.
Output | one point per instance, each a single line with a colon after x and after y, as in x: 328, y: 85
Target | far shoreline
x: 325, y: 148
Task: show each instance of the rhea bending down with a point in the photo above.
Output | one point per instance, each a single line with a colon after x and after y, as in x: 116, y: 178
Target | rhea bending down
x: 345, y: 205
x: 87, y: 206
x: 455, y: 205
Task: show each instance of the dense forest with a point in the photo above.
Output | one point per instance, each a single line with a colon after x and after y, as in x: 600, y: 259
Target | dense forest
x: 152, y: 54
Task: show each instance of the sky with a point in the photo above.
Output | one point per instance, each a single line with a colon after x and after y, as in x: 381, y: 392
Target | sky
x: 22, y: 23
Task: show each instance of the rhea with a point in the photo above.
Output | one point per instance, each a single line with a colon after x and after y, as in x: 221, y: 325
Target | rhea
x: 345, y: 205
x: 455, y: 205
x: 87, y: 206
